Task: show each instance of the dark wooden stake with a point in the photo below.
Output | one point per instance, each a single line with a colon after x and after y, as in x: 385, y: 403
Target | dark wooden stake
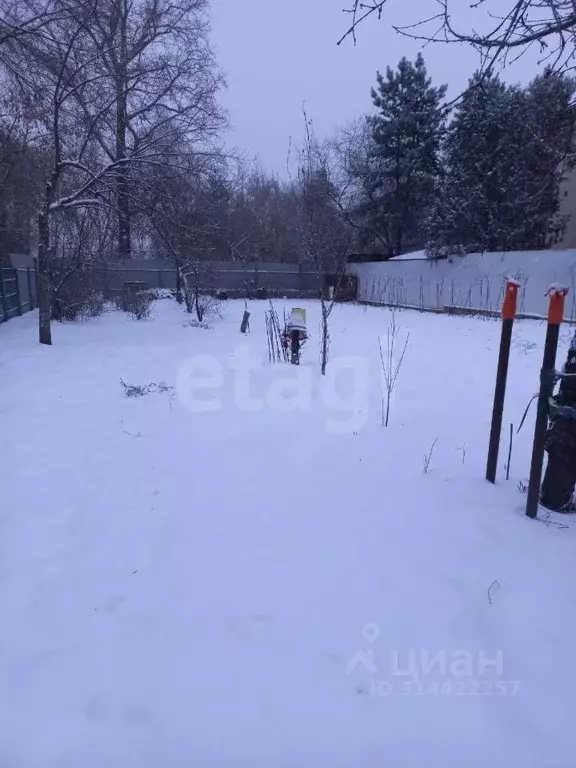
x: 555, y: 316
x: 295, y: 347
x: 508, y: 315
x: 245, y: 322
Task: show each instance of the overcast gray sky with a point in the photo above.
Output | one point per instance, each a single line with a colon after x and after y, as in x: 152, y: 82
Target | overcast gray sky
x: 279, y: 53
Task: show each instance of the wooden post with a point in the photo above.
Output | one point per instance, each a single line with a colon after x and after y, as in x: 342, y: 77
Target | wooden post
x: 160, y: 279
x: 245, y: 322
x: 508, y: 315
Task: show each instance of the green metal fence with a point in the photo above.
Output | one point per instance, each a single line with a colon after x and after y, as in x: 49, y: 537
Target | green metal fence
x: 10, y: 305
x: 17, y: 288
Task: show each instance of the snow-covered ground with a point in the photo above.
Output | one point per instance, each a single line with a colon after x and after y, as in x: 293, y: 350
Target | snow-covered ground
x: 249, y: 570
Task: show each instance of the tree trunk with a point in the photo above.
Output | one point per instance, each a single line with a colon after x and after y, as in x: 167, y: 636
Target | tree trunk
x: 560, y: 476
x: 124, y: 217
x: 43, y: 279
x: 199, y: 307
x: 123, y: 183
x: 199, y: 312
x: 188, y: 295
x: 325, y: 339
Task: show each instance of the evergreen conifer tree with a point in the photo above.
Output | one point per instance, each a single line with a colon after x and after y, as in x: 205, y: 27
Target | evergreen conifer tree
x: 404, y: 164
x: 505, y: 153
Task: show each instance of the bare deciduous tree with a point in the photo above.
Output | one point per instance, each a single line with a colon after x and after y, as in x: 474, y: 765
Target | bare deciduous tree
x: 163, y: 80
x: 21, y: 172
x: 324, y: 236
x: 79, y: 237
x: 510, y: 27
x: 71, y: 87
x: 55, y: 74
x: 391, y: 364
x: 353, y: 150
x: 427, y: 457
x: 26, y: 18
x: 183, y: 219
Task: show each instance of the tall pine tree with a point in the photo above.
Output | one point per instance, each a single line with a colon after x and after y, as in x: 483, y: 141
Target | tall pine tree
x: 505, y: 153
x: 549, y: 124
x: 463, y: 218
x: 404, y: 163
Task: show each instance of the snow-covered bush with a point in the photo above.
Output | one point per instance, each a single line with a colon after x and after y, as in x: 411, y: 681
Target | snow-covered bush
x: 95, y: 304
x: 74, y: 299
x: 208, y: 308
x: 139, y: 305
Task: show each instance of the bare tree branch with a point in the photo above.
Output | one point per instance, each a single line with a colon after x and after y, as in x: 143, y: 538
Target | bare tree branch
x: 550, y: 25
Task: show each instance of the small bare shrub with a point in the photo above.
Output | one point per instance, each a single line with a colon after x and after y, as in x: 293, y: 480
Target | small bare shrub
x: 75, y: 300
x: 391, y: 365
x: 94, y: 305
x: 139, y: 305
x: 141, y: 390
x: 134, y: 390
x: 208, y: 308
x: 427, y: 457
x: 67, y: 311
x: 68, y: 296
x: 495, y: 585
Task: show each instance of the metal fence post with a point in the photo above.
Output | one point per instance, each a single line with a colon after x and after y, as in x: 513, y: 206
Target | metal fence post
x: 555, y: 317
x: 18, y: 297
x: 3, y: 298
x: 30, y: 292
x: 508, y: 315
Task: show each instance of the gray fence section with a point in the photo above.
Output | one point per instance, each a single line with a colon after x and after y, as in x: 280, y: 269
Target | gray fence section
x: 474, y: 282
x: 235, y: 279
x: 18, y: 292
